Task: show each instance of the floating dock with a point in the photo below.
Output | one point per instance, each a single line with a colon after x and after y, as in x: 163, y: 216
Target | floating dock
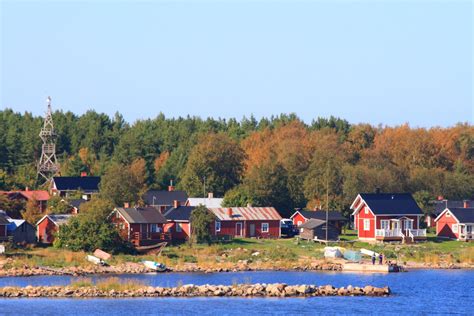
x: 371, y: 268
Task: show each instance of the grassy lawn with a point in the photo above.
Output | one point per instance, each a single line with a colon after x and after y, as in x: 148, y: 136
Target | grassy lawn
x: 261, y: 253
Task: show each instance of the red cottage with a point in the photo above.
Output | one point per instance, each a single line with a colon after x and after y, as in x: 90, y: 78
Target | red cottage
x: 47, y: 227
x: 178, y: 221
x: 260, y: 222
x: 140, y: 226
x: 456, y: 223
x: 335, y: 218
x: 387, y: 217
x: 40, y: 196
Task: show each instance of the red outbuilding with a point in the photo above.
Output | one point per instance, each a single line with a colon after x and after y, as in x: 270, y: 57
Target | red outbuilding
x: 260, y: 222
x: 47, y: 227
x: 140, y: 226
x: 387, y: 217
x: 456, y: 223
x: 335, y: 218
x: 178, y: 221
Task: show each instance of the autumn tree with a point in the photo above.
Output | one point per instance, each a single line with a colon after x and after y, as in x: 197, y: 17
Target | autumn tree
x: 216, y: 162
x: 32, y: 213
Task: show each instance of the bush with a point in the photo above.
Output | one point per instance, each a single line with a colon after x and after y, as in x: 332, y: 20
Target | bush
x: 88, y: 234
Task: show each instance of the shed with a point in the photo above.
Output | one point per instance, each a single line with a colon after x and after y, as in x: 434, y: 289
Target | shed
x: 315, y: 229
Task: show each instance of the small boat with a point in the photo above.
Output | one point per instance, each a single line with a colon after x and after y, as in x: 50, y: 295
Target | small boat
x: 159, y: 267
x: 95, y: 260
x: 155, y: 249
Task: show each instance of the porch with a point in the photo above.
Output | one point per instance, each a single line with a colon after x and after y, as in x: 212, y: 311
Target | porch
x: 149, y: 238
x: 402, y: 235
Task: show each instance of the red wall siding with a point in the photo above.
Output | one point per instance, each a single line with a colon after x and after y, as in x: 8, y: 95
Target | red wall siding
x: 298, y: 218
x: 229, y: 228
x: 444, y: 227
x: 117, y: 221
x: 360, y: 223
x: 46, y: 229
x: 170, y: 227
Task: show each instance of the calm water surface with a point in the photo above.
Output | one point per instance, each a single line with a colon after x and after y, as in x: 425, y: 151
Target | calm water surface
x: 423, y: 292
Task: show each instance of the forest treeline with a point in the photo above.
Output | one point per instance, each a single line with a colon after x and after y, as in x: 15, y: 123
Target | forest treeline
x: 279, y: 161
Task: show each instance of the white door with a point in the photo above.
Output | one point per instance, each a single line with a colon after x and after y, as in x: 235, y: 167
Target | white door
x: 238, y: 229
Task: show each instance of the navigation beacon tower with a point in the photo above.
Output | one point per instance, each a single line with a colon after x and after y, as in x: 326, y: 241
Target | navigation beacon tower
x: 47, y: 165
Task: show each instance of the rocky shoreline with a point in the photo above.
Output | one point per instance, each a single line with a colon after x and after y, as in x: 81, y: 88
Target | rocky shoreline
x: 190, y: 290
x: 136, y: 268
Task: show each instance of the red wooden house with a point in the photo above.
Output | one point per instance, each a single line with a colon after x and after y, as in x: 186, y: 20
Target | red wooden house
x: 40, y: 196
x: 140, y: 226
x: 387, y: 217
x: 178, y: 221
x: 335, y: 218
x: 260, y: 222
x: 456, y: 223
x: 47, y: 227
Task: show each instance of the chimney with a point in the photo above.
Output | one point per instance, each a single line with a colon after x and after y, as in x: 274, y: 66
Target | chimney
x: 126, y: 205
x: 171, y: 187
x: 175, y: 203
x: 440, y: 198
x: 229, y: 212
x: 83, y: 174
x: 466, y: 203
x: 249, y: 205
x: 210, y: 195
x: 377, y: 190
x: 27, y: 189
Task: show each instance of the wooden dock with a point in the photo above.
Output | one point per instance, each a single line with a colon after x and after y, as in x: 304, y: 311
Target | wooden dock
x: 371, y: 268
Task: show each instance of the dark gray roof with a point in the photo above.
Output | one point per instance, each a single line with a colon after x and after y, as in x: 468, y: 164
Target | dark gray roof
x: 181, y: 213
x: 86, y: 184
x: 391, y: 203
x: 76, y: 203
x: 142, y: 215
x: 321, y: 214
x: 464, y: 215
x: 440, y: 206
x: 312, y: 223
x: 155, y: 197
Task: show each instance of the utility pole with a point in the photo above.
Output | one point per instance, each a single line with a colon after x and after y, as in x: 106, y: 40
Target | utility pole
x: 47, y: 165
x: 327, y: 201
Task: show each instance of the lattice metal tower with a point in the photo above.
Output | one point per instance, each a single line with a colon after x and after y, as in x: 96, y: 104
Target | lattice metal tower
x: 48, y: 166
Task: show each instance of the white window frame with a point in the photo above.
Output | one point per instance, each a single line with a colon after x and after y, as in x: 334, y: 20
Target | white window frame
x: 266, y: 229
x: 179, y: 229
x: 455, y: 228
x: 407, y: 224
x: 217, y: 226
x: 154, y: 228
x: 366, y: 224
x: 448, y: 214
x: 299, y: 223
x: 385, y: 221
x: 366, y: 210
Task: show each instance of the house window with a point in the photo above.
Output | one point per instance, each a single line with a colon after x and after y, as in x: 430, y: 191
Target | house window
x: 385, y: 224
x: 264, y: 227
x: 178, y: 228
x: 154, y: 228
x: 366, y: 210
x: 448, y: 214
x: 301, y: 229
x: 218, y: 226
x: 408, y: 224
x: 299, y: 223
x: 366, y: 224
x: 455, y: 228
x: 121, y: 226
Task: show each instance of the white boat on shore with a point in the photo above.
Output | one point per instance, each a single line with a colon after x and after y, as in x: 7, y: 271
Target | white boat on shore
x: 159, y: 267
x: 95, y: 260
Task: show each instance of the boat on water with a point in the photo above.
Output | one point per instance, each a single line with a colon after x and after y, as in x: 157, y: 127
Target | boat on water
x: 156, y: 266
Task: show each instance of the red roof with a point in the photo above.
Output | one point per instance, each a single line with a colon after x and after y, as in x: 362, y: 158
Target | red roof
x: 39, y: 195
x: 246, y: 213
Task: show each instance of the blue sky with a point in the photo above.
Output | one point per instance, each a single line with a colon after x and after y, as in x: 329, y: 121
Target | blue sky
x: 382, y: 62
